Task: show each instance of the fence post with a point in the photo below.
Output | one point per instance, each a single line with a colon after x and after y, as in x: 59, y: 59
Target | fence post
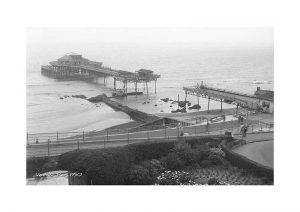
x: 252, y: 128
x: 107, y: 135
x: 165, y: 131
x: 195, y: 130
x: 128, y: 136
x: 83, y: 136
x: 104, y: 143
x: 57, y: 137
x: 77, y: 144
x: 48, y: 147
x: 148, y: 135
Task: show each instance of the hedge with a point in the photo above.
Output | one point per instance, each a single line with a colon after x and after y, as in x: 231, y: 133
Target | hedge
x: 204, y: 140
x: 148, y: 151
x: 38, y: 165
x: 112, y: 165
x: 102, y: 166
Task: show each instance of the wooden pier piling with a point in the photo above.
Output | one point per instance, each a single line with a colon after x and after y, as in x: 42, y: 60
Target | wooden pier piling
x: 221, y: 104
x: 208, y: 104
x: 135, y: 88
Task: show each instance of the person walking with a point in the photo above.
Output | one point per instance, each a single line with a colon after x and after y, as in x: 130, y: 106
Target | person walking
x: 245, y: 130
x: 242, y: 130
x: 180, y: 131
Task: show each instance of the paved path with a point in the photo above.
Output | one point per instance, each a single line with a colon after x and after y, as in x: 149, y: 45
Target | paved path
x: 104, y: 141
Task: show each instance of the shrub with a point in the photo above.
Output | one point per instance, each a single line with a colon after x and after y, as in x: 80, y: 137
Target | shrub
x: 213, y: 181
x: 111, y: 166
x: 39, y: 165
x: 202, y: 141
x: 139, y: 175
x: 216, y: 159
x: 49, y: 166
x: 153, y: 166
x: 187, y: 154
x: 206, y: 164
x: 213, y: 144
x: 172, y: 161
x: 102, y: 166
x: 217, y: 156
x: 148, y: 151
x: 217, y: 151
x: 175, y: 178
x: 202, y: 147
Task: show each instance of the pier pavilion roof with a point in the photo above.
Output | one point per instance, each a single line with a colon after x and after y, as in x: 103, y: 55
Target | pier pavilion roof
x: 71, y: 56
x: 144, y: 71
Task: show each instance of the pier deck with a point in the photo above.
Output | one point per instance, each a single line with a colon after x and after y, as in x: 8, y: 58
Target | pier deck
x: 252, y: 102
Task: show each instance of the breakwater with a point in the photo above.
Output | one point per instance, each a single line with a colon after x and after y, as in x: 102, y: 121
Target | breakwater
x: 133, y: 113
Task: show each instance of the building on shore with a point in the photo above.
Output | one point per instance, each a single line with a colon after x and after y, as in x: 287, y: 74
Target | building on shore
x: 266, y: 99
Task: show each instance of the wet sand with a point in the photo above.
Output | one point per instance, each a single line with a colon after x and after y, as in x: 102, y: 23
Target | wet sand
x: 197, y: 114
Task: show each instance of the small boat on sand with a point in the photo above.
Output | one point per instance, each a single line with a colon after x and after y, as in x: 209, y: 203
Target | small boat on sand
x: 118, y: 93
x: 218, y: 119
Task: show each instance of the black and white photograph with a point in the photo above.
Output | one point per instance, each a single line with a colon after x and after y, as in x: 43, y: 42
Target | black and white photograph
x: 162, y: 105
x: 150, y: 106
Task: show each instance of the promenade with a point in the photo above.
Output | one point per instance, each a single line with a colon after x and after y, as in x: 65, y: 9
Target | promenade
x: 94, y: 140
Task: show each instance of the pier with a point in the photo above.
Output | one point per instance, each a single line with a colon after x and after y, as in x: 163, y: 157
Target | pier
x: 252, y: 102
x: 73, y: 66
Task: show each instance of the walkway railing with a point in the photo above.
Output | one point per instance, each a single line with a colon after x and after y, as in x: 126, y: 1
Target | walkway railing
x: 169, y: 130
x: 57, y: 143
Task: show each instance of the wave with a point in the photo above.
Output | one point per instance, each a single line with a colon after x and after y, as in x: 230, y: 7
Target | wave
x: 258, y: 82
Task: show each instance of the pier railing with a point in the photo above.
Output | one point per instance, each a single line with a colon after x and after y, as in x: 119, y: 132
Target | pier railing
x: 50, y: 144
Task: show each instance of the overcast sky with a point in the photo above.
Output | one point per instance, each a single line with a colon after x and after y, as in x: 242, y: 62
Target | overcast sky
x: 225, y: 36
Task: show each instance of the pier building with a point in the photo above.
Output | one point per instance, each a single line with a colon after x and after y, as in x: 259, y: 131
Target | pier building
x: 73, y: 66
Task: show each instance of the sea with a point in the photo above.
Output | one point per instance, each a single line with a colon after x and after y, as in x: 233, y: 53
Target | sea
x: 240, y: 68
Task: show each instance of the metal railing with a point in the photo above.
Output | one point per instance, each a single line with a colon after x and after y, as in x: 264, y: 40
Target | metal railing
x: 56, y: 143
